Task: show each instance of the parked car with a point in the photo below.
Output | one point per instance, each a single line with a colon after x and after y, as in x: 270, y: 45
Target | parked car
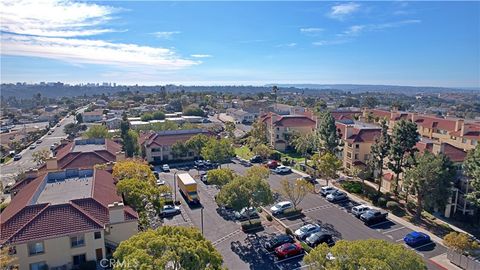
x: 318, y: 238
x: 160, y: 182
x: 416, y: 239
x: 324, y: 191
x: 204, y: 178
x: 256, y: 159
x: 156, y: 174
x: 33, y: 146
x: 309, y: 179
x: 359, y: 210
x: 306, y: 230
x: 278, y: 241
x: 280, y: 207
x: 58, y: 125
x: 17, y: 157
x: 39, y: 141
x: 165, y: 168
x: 337, y: 196
x: 199, y: 163
x: 373, y: 216
x: 170, y: 210
x: 272, y: 164
x: 282, y: 170
x: 245, y: 212
x: 288, y: 250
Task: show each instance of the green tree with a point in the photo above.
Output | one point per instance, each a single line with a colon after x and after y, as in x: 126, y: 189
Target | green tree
x: 220, y: 177
x: 79, y: 118
x: 137, y: 192
x: 403, y: 140
x: 430, y: 180
x: 304, y: 143
x: 130, y: 143
x: 230, y: 128
x: 295, y: 192
x: 133, y: 169
x: 327, y: 133
x: 379, y: 152
x: 218, y: 150
x: 168, y: 247
x: 250, y: 190
x: 146, y: 117
x: 258, y: 134
x: 40, y: 156
x: 179, y: 150
x: 193, y: 111
x: 472, y: 170
x: 97, y: 131
x: 370, y: 102
x: 460, y: 242
x: 196, y: 143
x: 158, y: 115
x: 327, y: 165
x: 364, y: 254
x: 262, y: 150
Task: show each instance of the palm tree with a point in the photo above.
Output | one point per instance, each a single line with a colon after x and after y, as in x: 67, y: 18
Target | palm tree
x: 304, y: 143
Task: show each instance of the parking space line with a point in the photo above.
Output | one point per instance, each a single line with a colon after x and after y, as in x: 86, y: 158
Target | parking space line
x: 399, y: 240
x: 393, y: 230
x: 426, y: 245
x: 318, y: 208
x: 381, y: 223
x: 218, y: 241
x: 289, y: 258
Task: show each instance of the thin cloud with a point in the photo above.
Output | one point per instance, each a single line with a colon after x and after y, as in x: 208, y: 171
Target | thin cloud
x: 329, y: 42
x: 342, y: 10
x: 311, y: 30
x: 201, y: 55
x: 93, y: 52
x: 287, y: 45
x: 356, y: 30
x: 165, y: 34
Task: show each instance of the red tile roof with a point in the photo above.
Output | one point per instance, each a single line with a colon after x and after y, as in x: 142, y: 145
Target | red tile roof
x: 22, y: 222
x: 472, y: 131
x: 170, y: 137
x: 290, y: 120
x: 342, y: 115
x: 454, y: 153
x: 436, y: 122
x: 364, y: 135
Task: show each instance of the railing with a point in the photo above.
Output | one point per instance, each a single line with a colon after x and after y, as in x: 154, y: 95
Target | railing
x: 463, y: 261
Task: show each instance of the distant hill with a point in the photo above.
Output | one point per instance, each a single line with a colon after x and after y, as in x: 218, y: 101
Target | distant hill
x: 379, y: 88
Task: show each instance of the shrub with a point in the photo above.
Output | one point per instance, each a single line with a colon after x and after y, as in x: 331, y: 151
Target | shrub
x: 3, y: 206
x: 269, y: 217
x: 292, y: 212
x: 392, y: 205
x: 275, y: 156
x: 381, y: 202
x: 352, y: 187
x: 288, y: 231
x: 305, y: 247
x: 246, y: 226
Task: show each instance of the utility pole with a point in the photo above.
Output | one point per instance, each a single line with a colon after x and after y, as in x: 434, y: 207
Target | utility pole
x: 201, y: 213
x: 175, y: 186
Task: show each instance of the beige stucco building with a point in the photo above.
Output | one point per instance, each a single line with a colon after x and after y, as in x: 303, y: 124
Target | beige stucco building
x: 281, y: 128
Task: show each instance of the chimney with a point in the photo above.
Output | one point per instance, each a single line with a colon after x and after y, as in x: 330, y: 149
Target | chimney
x: 414, y: 117
x: 120, y: 156
x: 116, y: 212
x: 348, y: 131
x: 438, y: 148
x: 273, y: 118
x: 52, y: 164
x: 459, y: 124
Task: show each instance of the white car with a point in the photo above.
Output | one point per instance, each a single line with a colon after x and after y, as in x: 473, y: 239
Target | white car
x: 160, y: 182
x: 170, y: 210
x: 282, y: 169
x: 165, y: 168
x: 307, y: 230
x: 33, y: 146
x: 246, y: 212
x: 337, y: 196
x: 280, y: 207
x: 324, y: 191
x: 359, y: 210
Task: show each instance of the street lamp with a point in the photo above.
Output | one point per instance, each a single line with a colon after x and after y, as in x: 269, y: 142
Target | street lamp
x: 201, y: 213
x: 175, y: 186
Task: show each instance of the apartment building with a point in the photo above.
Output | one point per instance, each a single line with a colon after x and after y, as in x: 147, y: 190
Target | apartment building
x: 157, y: 146
x: 65, y: 218
x: 240, y: 116
x: 281, y: 128
x: 357, y: 138
x: 93, y: 116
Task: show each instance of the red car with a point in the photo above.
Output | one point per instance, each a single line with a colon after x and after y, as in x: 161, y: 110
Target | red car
x: 288, y: 249
x: 272, y: 164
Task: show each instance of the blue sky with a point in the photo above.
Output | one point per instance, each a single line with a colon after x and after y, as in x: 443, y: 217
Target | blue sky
x: 152, y: 42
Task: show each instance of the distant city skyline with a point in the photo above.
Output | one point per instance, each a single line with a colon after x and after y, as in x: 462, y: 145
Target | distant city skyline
x: 241, y: 43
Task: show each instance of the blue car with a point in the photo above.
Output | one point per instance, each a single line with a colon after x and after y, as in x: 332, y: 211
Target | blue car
x: 416, y: 239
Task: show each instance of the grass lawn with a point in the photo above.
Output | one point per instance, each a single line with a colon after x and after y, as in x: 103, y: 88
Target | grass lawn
x: 244, y: 152
x: 7, y: 158
x: 292, y: 155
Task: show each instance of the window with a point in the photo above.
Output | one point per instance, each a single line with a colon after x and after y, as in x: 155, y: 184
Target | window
x: 473, y: 142
x: 349, y: 145
x: 366, y: 157
x: 464, y: 140
x: 357, y: 146
x: 356, y: 156
x: 97, y: 235
x: 156, y: 149
x: 277, y: 136
x: 349, y: 155
x: 36, y: 248
x: 79, y: 259
x: 77, y: 241
x: 38, y: 266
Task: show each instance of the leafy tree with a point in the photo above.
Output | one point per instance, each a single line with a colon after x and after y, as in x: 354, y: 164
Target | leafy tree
x: 130, y: 143
x: 304, y: 143
x: 327, y: 165
x: 472, y: 170
x: 403, y: 140
x: 7, y: 258
x: 168, y: 247
x: 196, y: 143
x: 137, y: 192
x: 97, y: 131
x: 258, y: 134
x: 218, y: 150
x: 193, y: 111
x: 133, y: 168
x: 146, y: 117
x: 364, y: 254
x: 158, y: 115
x: 221, y: 177
x: 72, y: 129
x: 262, y: 150
x: 430, y: 181
x: 230, y: 128
x: 40, y: 156
x: 295, y: 192
x: 258, y: 171
x: 379, y: 152
x: 460, y: 242
x: 370, y: 102
x: 124, y: 126
x: 79, y: 118
x: 250, y: 190
x: 327, y: 133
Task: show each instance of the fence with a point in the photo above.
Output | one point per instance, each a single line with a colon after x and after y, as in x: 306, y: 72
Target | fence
x: 463, y: 261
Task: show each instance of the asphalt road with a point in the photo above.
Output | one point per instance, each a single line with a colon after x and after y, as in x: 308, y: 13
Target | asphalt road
x: 245, y: 251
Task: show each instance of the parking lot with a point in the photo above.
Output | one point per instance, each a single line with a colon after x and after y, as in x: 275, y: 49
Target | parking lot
x: 245, y: 251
